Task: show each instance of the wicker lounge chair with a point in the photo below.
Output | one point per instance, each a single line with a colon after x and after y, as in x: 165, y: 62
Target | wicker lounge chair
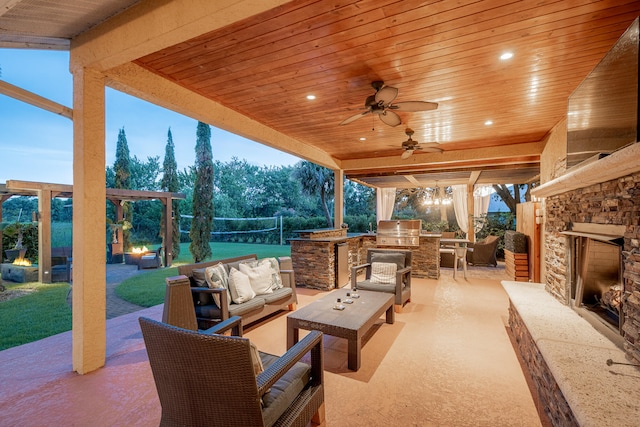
x: 400, y: 285
x: 203, y: 378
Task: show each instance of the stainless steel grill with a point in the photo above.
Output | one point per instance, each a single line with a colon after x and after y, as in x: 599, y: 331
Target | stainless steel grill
x: 404, y: 232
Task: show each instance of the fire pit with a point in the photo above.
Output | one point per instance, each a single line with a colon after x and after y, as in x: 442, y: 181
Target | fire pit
x: 21, y: 271
x: 133, y: 257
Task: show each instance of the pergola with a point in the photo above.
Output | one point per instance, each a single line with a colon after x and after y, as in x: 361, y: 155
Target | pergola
x: 46, y: 191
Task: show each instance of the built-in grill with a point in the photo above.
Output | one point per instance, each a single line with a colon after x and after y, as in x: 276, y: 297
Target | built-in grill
x: 403, y: 232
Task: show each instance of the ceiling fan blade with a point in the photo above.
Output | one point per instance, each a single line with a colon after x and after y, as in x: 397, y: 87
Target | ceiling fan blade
x: 411, y: 106
x: 354, y: 117
x: 387, y: 94
x: 406, y: 154
x: 390, y: 118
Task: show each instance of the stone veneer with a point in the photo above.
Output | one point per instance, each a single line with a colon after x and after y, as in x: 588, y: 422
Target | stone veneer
x: 314, y: 258
x: 551, y: 400
x: 612, y: 202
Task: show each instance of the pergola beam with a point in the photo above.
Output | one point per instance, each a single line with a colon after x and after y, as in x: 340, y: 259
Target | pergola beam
x: 35, y: 100
x: 46, y: 191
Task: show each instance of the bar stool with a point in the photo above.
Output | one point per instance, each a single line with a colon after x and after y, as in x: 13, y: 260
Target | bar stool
x: 460, y: 254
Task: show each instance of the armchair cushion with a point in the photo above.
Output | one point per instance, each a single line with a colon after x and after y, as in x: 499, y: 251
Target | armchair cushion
x: 240, y: 287
x: 278, y: 398
x: 383, y: 272
x: 389, y: 257
x: 259, y: 277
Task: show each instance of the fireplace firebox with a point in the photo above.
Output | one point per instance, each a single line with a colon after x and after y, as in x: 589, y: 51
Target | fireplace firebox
x: 597, y: 286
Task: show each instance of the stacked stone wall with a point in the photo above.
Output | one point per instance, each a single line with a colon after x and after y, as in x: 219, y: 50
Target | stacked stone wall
x: 612, y: 202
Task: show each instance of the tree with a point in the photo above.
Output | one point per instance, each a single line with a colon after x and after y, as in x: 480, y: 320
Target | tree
x: 316, y: 180
x: 511, y: 200
x: 202, y: 221
x: 171, y: 183
x: 122, y: 169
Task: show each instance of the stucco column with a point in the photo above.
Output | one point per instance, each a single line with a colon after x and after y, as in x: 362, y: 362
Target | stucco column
x: 338, y: 197
x: 89, y: 221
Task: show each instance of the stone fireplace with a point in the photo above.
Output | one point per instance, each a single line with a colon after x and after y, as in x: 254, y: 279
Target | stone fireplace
x: 596, y: 271
x: 613, y: 204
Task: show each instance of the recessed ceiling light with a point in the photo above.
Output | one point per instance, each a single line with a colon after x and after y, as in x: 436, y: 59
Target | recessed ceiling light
x: 363, y: 139
x: 506, y: 55
x: 311, y: 97
x: 488, y: 123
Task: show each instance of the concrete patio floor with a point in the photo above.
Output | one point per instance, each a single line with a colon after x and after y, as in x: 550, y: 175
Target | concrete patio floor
x: 447, y: 360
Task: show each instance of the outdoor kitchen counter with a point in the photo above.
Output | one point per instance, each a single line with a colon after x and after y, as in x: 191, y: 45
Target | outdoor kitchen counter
x: 575, y: 355
x: 314, y: 258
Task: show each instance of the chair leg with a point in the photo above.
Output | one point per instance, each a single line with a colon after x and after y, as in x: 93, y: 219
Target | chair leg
x: 319, y: 417
x: 292, y: 306
x: 397, y: 308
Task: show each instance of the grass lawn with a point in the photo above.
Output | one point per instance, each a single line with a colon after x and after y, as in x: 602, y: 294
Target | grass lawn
x: 147, y: 289
x: 42, y: 310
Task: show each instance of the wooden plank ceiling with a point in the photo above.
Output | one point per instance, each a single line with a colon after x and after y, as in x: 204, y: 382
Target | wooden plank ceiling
x: 441, y: 51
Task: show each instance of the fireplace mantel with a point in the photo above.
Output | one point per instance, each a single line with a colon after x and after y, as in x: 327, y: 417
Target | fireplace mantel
x: 620, y: 163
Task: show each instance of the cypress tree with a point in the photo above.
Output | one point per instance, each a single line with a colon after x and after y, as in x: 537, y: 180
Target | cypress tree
x: 122, y: 169
x: 202, y: 221
x: 170, y: 183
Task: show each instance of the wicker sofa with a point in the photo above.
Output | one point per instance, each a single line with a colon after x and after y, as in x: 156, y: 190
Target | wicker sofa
x: 209, y: 313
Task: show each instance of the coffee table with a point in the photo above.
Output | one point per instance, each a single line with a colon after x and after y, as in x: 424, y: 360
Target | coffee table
x: 351, y: 323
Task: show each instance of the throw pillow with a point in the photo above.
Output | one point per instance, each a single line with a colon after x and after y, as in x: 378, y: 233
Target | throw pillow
x: 383, y: 272
x: 217, y: 277
x: 199, y: 278
x: 276, y: 280
x: 259, y: 277
x: 240, y: 287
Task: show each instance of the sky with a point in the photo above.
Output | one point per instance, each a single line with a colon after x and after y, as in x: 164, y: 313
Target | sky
x: 36, y: 145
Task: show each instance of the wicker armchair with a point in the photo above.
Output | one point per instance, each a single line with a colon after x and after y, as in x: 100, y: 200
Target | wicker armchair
x: 484, y: 251
x: 400, y: 286
x: 203, y: 378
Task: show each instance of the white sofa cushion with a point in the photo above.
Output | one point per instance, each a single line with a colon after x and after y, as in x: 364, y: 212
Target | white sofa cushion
x: 259, y: 277
x: 240, y: 287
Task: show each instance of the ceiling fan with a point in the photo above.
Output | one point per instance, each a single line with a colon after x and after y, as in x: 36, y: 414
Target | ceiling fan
x: 410, y: 146
x: 381, y: 104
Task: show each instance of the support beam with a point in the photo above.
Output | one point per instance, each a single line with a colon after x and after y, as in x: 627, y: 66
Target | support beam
x: 89, y: 219
x: 471, y: 235
x: 338, y: 197
x: 150, y: 26
x: 479, y: 157
x: 137, y: 81
x: 44, y: 236
x: 167, y: 238
x: 35, y: 100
